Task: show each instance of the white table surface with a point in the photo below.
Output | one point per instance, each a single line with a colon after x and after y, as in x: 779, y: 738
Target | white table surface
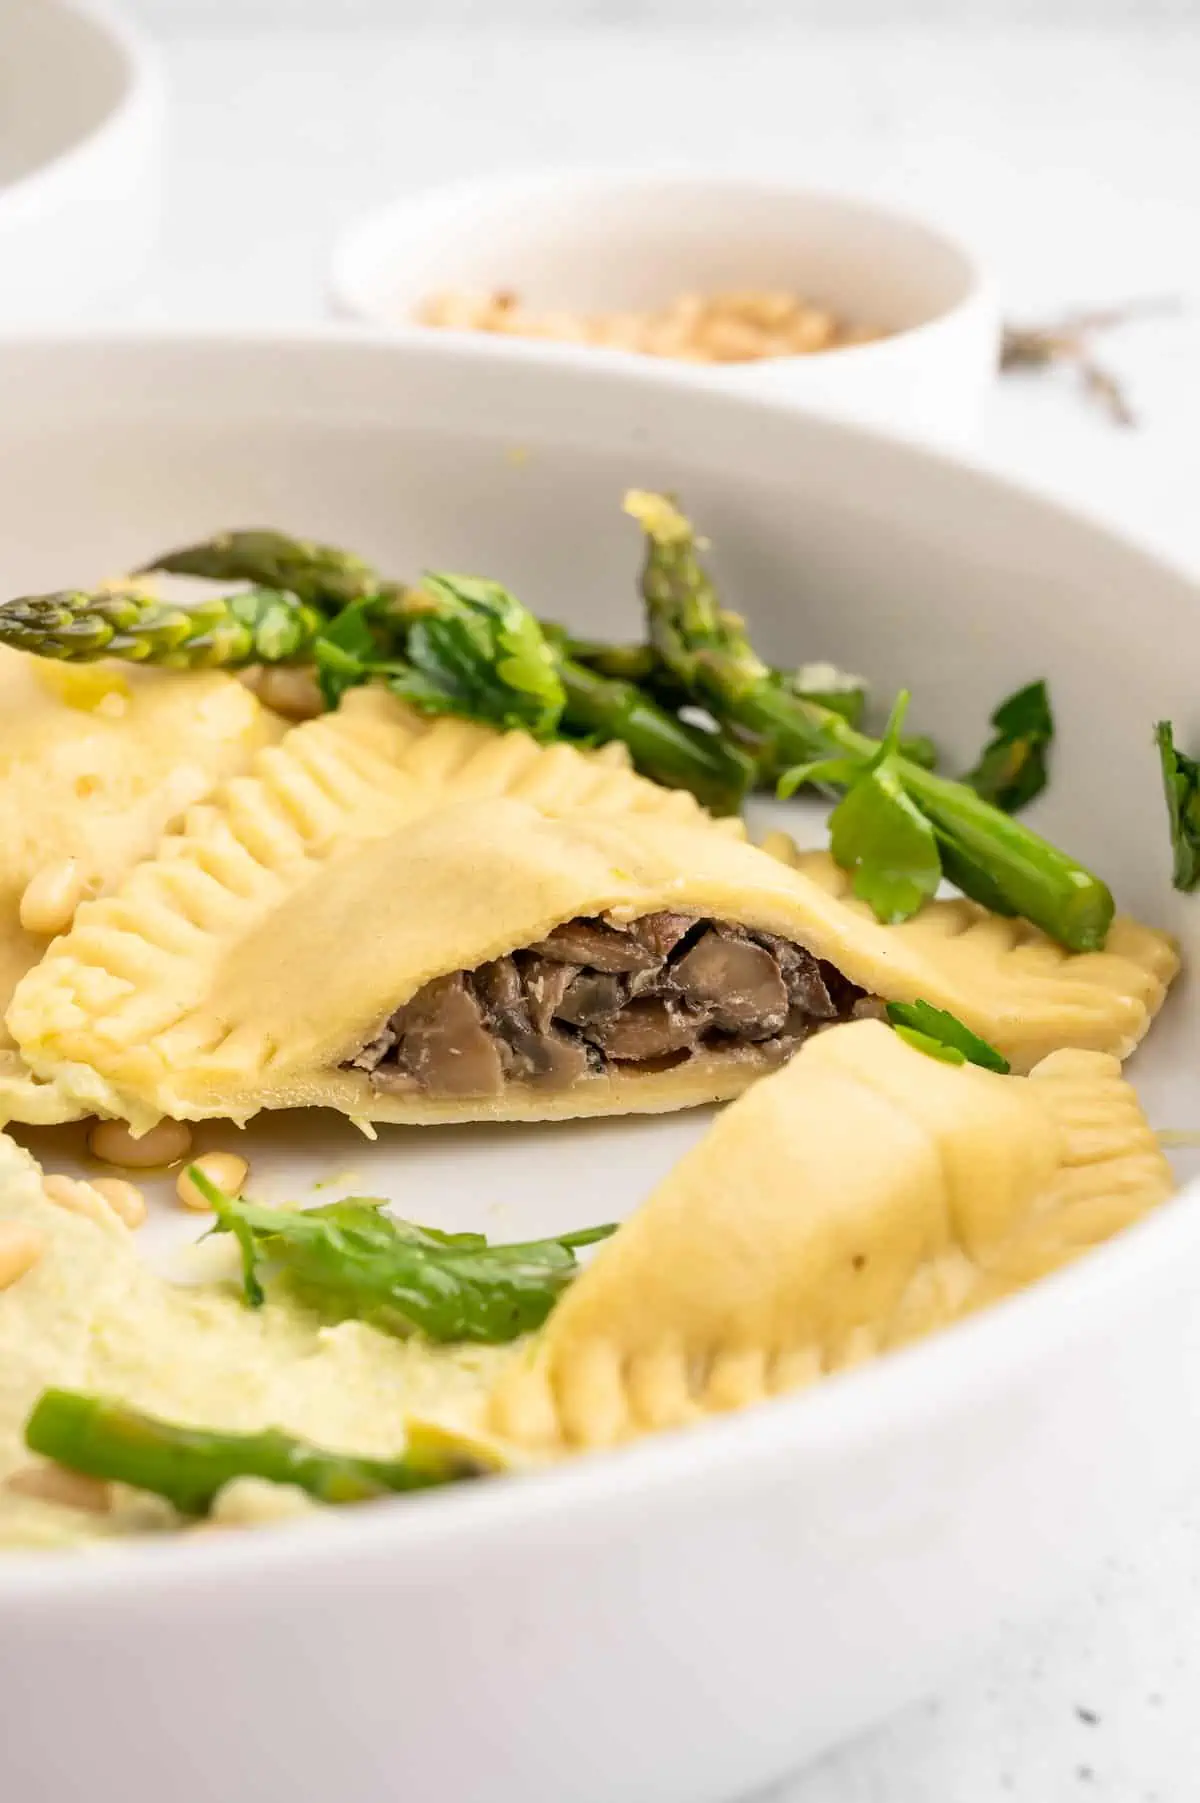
x: 1074, y: 163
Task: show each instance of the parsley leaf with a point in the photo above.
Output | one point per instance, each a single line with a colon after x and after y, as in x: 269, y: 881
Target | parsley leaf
x: 1012, y: 767
x: 942, y: 1035
x: 1181, y: 786
x: 877, y: 831
x: 353, y: 1261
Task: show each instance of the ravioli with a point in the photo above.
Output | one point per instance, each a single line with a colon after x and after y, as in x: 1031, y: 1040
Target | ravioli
x: 320, y: 939
x: 95, y: 763
x: 860, y: 1198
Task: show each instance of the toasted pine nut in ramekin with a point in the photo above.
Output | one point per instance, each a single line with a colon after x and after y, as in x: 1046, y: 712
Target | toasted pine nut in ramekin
x: 113, y: 1143
x: 225, y: 1169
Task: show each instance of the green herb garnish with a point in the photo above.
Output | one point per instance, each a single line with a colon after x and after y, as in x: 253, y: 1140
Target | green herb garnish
x: 876, y: 830
x: 1012, y: 767
x: 353, y: 1261
x: 942, y: 1035
x: 1181, y: 786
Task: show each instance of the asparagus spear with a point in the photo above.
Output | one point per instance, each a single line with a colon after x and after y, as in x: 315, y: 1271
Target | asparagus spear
x: 989, y: 856
x: 190, y: 1466
x: 260, y: 625
x: 667, y: 750
x: 354, y: 1261
x: 324, y: 576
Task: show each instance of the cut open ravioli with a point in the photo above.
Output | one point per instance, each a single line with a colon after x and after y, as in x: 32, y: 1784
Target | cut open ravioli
x: 95, y: 764
x: 862, y: 1197
x: 478, y: 961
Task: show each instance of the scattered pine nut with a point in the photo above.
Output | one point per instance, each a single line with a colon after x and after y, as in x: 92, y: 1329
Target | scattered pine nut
x: 20, y: 1249
x: 56, y: 1484
x: 113, y: 1143
x: 51, y: 898
x: 124, y: 1198
x: 80, y: 1198
x: 225, y: 1169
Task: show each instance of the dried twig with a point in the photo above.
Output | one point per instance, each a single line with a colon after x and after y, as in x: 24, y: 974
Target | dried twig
x: 1068, y: 342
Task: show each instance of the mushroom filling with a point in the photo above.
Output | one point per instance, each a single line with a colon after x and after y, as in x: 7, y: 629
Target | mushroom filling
x: 597, y: 995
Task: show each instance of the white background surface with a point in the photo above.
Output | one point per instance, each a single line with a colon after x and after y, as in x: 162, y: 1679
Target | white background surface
x: 1073, y: 160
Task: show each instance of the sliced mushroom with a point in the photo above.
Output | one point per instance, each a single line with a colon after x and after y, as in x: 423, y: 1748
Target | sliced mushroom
x: 738, y: 982
x: 650, y: 1027
x: 600, y: 947
x: 804, y: 977
x: 592, y: 997
x: 555, y: 1059
x: 375, y: 1050
x: 545, y: 985
x: 444, y: 1041
x: 499, y: 988
x: 661, y: 933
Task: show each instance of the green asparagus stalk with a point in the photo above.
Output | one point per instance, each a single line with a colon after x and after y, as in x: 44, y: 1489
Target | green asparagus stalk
x: 190, y: 1466
x: 428, y: 628
x: 990, y: 856
x: 323, y: 576
x: 259, y: 625
x: 354, y: 1262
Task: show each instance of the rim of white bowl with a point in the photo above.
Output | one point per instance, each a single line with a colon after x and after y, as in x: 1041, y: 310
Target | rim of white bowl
x: 137, y: 110
x: 359, y: 252
x: 886, y: 1399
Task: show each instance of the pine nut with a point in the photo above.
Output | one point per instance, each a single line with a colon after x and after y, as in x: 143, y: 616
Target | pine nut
x: 113, y: 1143
x: 20, y: 1249
x: 125, y: 1199
x: 51, y: 898
x: 79, y: 1198
x: 56, y: 1484
x: 225, y: 1169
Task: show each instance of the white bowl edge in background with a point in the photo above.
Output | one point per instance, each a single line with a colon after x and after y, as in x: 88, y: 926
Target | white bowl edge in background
x: 612, y: 238
x: 82, y: 106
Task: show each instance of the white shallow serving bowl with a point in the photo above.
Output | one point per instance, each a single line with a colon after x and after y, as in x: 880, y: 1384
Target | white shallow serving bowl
x: 81, y: 112
x: 685, y: 1620
x: 584, y: 240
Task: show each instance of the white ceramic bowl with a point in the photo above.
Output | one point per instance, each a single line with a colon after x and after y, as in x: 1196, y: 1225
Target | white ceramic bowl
x: 679, y: 1622
x: 81, y: 107
x: 600, y: 240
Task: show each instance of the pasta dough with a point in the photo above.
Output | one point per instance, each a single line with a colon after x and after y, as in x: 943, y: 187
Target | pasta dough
x: 95, y: 763
x: 863, y: 1196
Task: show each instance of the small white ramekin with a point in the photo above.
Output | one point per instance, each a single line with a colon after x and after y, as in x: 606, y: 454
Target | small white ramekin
x: 80, y: 158
x: 621, y: 239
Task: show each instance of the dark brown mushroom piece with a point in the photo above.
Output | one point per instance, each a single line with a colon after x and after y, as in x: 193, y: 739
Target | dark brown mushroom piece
x: 598, y: 946
x: 444, y: 1041
x: 545, y: 985
x: 650, y: 1027
x: 804, y: 977
x: 500, y: 990
x: 738, y: 982
x: 592, y: 997
x: 661, y: 933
